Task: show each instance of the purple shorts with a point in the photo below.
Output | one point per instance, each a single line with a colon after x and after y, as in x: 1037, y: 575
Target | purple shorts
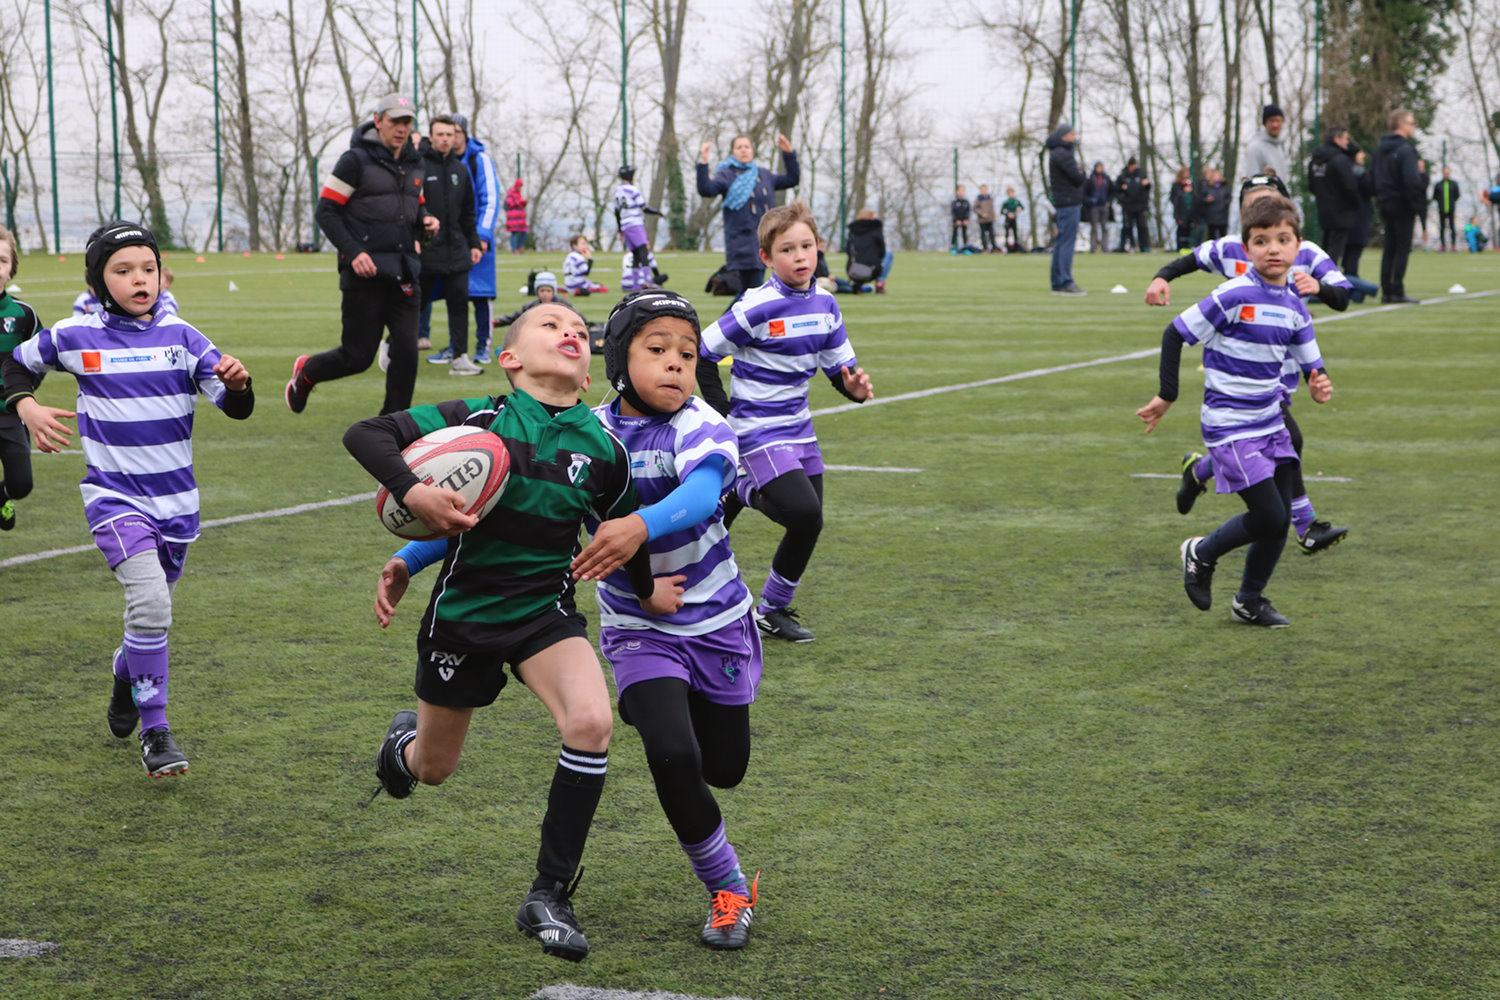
x: 775, y: 460
x: 633, y: 236
x: 135, y: 533
x: 1243, y: 463
x: 723, y: 665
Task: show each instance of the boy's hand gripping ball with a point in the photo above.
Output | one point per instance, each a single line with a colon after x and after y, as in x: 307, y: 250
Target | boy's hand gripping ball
x: 469, y: 460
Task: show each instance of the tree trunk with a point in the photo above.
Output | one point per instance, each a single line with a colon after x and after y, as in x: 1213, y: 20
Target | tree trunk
x: 669, y: 20
x: 143, y: 149
x: 247, y: 137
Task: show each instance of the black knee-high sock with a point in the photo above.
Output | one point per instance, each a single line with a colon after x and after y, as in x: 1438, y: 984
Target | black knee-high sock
x: 576, y: 786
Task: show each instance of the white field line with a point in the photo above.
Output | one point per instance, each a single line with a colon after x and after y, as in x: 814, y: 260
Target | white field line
x: 920, y: 394
x: 300, y: 508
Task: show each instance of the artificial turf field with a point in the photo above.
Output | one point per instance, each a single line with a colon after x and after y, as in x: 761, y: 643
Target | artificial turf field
x: 1015, y: 763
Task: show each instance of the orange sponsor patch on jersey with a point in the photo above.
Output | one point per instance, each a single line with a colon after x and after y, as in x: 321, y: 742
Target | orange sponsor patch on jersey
x: 777, y: 328
x: 1247, y: 314
x: 1240, y: 267
x: 92, y: 362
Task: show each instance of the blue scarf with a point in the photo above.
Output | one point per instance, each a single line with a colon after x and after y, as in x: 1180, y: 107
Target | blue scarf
x: 744, y: 185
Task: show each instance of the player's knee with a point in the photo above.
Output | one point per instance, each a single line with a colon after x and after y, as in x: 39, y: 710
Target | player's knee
x: 588, y: 728
x: 148, y: 597
x: 17, y: 486
x: 724, y: 773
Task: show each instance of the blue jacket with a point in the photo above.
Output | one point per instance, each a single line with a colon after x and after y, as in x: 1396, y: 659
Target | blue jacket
x: 741, y: 247
x: 489, y: 202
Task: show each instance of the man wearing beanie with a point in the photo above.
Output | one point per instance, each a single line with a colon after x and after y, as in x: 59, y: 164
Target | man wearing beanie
x: 1065, y: 187
x: 1264, y: 154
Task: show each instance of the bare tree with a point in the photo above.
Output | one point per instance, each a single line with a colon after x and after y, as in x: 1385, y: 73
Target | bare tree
x: 876, y: 20
x: 241, y: 71
x: 668, y: 19
x: 21, y: 67
x: 142, y: 88
x: 1233, y: 15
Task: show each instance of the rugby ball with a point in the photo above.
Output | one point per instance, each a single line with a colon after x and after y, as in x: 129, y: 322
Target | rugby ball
x: 470, y: 460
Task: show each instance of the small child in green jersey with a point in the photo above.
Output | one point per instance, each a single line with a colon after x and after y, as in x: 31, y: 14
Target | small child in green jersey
x: 18, y: 323
x: 505, y: 591
x: 1011, y: 209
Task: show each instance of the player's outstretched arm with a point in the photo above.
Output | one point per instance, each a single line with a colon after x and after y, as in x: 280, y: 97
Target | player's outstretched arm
x: 857, y: 384
x: 614, y: 542
x: 47, y: 433
x: 1152, y: 412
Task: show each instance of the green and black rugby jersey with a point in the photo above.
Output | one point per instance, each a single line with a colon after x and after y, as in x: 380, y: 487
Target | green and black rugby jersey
x: 514, y: 564
x: 18, y: 324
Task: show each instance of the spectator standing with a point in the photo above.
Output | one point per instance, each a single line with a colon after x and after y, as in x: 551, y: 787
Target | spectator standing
x: 1400, y: 193
x: 1265, y: 153
x: 1096, y: 193
x: 1359, y: 236
x: 1133, y: 189
x: 1011, y: 208
x: 984, y: 214
x: 749, y: 191
x: 1216, y: 199
x: 1426, y: 204
x: 1184, y: 208
x: 1445, y: 195
x: 371, y: 210
x: 959, y: 209
x: 449, y: 253
x: 515, y: 217
x: 486, y: 215
x: 1335, y: 188
x: 1066, y: 191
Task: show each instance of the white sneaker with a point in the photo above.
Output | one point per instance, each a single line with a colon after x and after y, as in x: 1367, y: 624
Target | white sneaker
x: 383, y: 356
x: 461, y: 365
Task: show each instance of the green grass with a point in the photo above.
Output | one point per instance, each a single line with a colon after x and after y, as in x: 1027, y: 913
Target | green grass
x: 1016, y: 762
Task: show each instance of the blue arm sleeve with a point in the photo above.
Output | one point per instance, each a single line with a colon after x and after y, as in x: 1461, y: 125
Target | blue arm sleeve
x: 694, y: 500
x: 419, y: 555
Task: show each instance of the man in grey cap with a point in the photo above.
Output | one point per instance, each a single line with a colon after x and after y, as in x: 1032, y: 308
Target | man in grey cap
x: 371, y: 210
x: 1066, y: 182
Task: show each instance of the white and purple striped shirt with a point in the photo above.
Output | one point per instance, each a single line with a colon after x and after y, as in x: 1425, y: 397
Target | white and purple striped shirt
x: 576, y: 271
x: 628, y: 204
x: 87, y: 304
x: 1247, y: 329
x: 1227, y: 256
x: 780, y: 338
x: 137, y: 390
x: 663, y: 451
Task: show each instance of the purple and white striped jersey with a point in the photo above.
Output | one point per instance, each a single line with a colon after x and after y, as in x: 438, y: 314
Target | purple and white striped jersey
x: 628, y: 204
x: 1247, y: 329
x: 137, y: 390
x: 166, y: 302
x: 87, y: 304
x: 663, y: 451
x: 780, y: 338
x: 1226, y: 255
x: 576, y: 271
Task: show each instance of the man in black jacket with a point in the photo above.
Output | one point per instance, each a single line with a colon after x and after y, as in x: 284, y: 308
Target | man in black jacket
x: 1445, y: 195
x: 958, y: 208
x: 1330, y: 174
x: 1066, y: 180
x: 1133, y: 188
x: 450, y: 253
x: 1401, y: 194
x: 371, y: 210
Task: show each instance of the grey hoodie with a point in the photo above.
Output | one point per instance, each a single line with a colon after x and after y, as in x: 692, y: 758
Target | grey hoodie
x: 1261, y: 152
